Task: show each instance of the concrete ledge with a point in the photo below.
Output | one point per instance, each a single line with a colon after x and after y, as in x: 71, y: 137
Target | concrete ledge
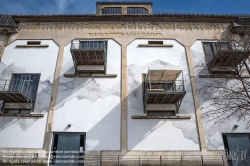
x: 24, y: 115
x: 223, y: 76
x: 155, y: 45
x: 90, y: 75
x: 161, y: 117
x: 29, y: 46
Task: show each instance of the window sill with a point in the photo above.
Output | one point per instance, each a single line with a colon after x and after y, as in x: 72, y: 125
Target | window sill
x: 24, y: 115
x: 161, y: 117
x: 90, y: 75
x: 155, y: 45
x: 29, y: 46
x: 222, y: 76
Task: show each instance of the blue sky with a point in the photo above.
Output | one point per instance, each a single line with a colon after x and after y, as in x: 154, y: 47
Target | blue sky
x: 159, y: 6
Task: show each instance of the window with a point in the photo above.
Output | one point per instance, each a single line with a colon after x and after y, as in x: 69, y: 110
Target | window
x: 137, y: 10
x: 24, y: 88
x: 163, y: 86
x: 17, y: 111
x: 25, y: 83
x: 158, y: 86
x: 161, y: 113
x: 92, y: 45
x: 216, y: 59
x: 239, y: 143
x: 170, y: 87
x: 112, y: 10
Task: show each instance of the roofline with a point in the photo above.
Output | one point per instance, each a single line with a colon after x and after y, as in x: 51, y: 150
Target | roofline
x: 151, y: 15
x: 124, y: 2
x: 166, y: 17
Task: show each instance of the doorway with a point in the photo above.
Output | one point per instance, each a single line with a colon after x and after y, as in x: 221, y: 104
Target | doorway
x: 237, y: 146
x: 68, y: 149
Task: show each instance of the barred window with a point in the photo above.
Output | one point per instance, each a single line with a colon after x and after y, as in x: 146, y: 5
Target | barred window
x: 92, y: 45
x: 112, y: 10
x: 137, y: 10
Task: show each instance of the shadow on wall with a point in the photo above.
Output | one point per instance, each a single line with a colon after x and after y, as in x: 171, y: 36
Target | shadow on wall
x: 89, y: 89
x: 213, y: 131
x: 83, y: 88
x: 135, y: 103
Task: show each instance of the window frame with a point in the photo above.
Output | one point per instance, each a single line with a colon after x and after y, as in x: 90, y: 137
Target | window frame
x: 112, y: 12
x: 138, y: 9
x: 5, y: 111
x: 161, y: 113
x: 214, y: 53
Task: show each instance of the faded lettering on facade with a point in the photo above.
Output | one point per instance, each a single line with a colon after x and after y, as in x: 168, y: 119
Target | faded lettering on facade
x: 138, y: 26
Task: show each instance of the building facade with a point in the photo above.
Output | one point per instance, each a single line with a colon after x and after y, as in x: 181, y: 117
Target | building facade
x: 123, y: 83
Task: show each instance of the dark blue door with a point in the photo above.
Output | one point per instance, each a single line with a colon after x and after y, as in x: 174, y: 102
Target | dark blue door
x: 237, y: 147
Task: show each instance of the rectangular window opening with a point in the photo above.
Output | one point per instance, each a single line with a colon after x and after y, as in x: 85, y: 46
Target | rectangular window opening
x: 25, y: 87
x: 155, y: 42
x: 112, y: 10
x: 137, y: 10
x: 17, y: 111
x: 33, y: 42
x: 161, y: 113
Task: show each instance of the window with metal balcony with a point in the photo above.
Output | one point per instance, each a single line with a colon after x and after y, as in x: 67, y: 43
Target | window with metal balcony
x: 112, y: 10
x: 137, y: 10
x: 241, y: 25
x: 89, y: 57
x: 163, y: 90
x: 224, y: 57
x: 18, y: 95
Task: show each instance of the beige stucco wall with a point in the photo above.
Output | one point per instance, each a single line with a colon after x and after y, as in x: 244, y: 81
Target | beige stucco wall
x: 185, y: 33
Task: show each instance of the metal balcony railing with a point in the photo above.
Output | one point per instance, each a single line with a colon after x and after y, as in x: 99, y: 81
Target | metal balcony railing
x: 176, y: 86
x: 88, y: 45
x: 164, y: 93
x: 232, y: 51
x: 21, y: 86
x: 89, y: 53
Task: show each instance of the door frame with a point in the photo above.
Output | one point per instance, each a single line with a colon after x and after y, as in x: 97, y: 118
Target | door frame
x: 225, y: 143
x: 60, y: 132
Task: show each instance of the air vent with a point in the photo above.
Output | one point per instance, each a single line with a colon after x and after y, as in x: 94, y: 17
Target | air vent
x: 155, y: 42
x: 33, y: 42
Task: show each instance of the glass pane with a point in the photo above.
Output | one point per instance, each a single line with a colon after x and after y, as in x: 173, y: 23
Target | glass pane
x: 166, y: 113
x: 152, y: 113
x: 160, y: 113
x: 239, y: 144
x: 157, y: 86
x: 25, y: 112
x: 25, y: 83
x: 136, y: 10
x: 15, y: 83
x: 170, y: 86
x: 207, y: 48
x: 12, y: 111
x: 112, y: 10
